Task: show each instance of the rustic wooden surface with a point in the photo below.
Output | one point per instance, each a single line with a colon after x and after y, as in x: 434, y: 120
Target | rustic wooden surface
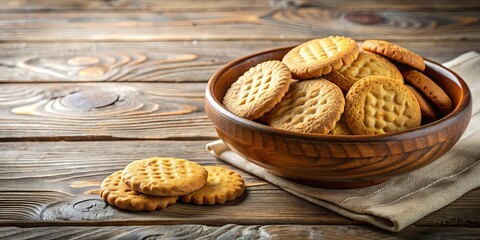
x: 88, y: 86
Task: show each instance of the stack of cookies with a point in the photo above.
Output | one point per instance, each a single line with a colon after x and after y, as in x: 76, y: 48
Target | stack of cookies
x: 330, y: 86
x: 155, y: 183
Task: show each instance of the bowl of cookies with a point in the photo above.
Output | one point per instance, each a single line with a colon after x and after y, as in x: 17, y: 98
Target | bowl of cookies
x: 332, y: 114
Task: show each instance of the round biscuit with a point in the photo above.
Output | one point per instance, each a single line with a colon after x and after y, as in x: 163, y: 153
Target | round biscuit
x: 379, y: 105
x: 428, y: 112
x: 318, y: 57
x: 341, y: 127
x: 367, y: 64
x: 258, y: 90
x: 114, y: 191
x: 164, y: 176
x: 222, y: 185
x: 430, y: 89
x: 310, y: 106
x: 395, y: 52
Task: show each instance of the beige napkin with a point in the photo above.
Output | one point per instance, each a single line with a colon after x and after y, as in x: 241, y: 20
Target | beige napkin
x: 402, y: 200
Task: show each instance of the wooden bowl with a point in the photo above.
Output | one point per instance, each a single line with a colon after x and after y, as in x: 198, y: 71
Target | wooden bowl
x: 336, y: 161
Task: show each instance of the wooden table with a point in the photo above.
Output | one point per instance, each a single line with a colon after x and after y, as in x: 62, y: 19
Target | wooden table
x: 89, y: 86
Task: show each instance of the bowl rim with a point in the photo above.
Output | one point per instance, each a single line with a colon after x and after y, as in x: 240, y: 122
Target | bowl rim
x: 412, y: 133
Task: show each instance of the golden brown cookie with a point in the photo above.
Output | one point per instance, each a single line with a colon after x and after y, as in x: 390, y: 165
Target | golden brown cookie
x: 428, y: 112
x: 367, y: 64
x: 430, y: 89
x: 258, y: 90
x: 395, y: 52
x: 318, y: 57
x: 311, y: 106
x: 341, y: 127
x: 164, y: 176
x: 114, y: 191
x: 378, y: 105
x: 222, y: 185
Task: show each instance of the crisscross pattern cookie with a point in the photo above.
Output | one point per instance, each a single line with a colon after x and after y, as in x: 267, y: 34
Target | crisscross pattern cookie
x: 378, y: 105
x: 318, y: 57
x: 222, y: 185
x: 164, y: 176
x: 366, y: 64
x: 311, y: 106
x: 117, y: 193
x: 258, y: 90
x: 395, y: 52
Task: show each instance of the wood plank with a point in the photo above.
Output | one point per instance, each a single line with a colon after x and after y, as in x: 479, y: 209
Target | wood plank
x: 208, y: 5
x: 182, y: 61
x: 54, y: 183
x: 104, y: 111
x: 278, y: 24
x: 232, y: 231
x: 129, y: 5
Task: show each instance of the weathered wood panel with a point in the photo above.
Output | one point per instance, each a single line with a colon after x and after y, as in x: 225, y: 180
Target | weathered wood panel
x: 131, y: 5
x: 231, y: 231
x: 182, y: 61
x: 104, y: 111
x: 278, y: 24
x: 55, y: 183
x: 204, y: 5
x: 44, y: 183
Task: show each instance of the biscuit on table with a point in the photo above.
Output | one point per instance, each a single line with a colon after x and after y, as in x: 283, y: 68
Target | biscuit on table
x: 114, y: 191
x: 367, y: 64
x: 430, y: 90
x: 428, y: 112
x: 258, y: 90
x: 164, y: 176
x: 222, y: 185
x: 395, y: 52
x: 378, y: 105
x: 310, y: 106
x: 318, y: 57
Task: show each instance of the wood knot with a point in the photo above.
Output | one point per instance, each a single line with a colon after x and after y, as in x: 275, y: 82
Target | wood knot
x: 92, y: 72
x: 90, y: 205
x: 87, y: 100
x: 92, y: 209
x: 364, y: 18
x: 83, y: 61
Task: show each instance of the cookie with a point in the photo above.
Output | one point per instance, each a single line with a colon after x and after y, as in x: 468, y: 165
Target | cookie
x: 430, y: 89
x: 395, y: 52
x: 222, y: 185
x: 378, y: 105
x: 428, y: 112
x: 258, y: 90
x: 164, y: 176
x: 318, y: 57
x: 114, y: 191
x: 311, y: 106
x: 341, y: 127
x: 367, y: 64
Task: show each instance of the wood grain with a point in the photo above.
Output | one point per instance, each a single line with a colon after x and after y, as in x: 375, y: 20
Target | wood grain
x: 131, y: 5
x: 45, y: 183
x: 231, y: 231
x: 278, y: 24
x: 208, y: 5
x: 182, y: 61
x: 104, y: 111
